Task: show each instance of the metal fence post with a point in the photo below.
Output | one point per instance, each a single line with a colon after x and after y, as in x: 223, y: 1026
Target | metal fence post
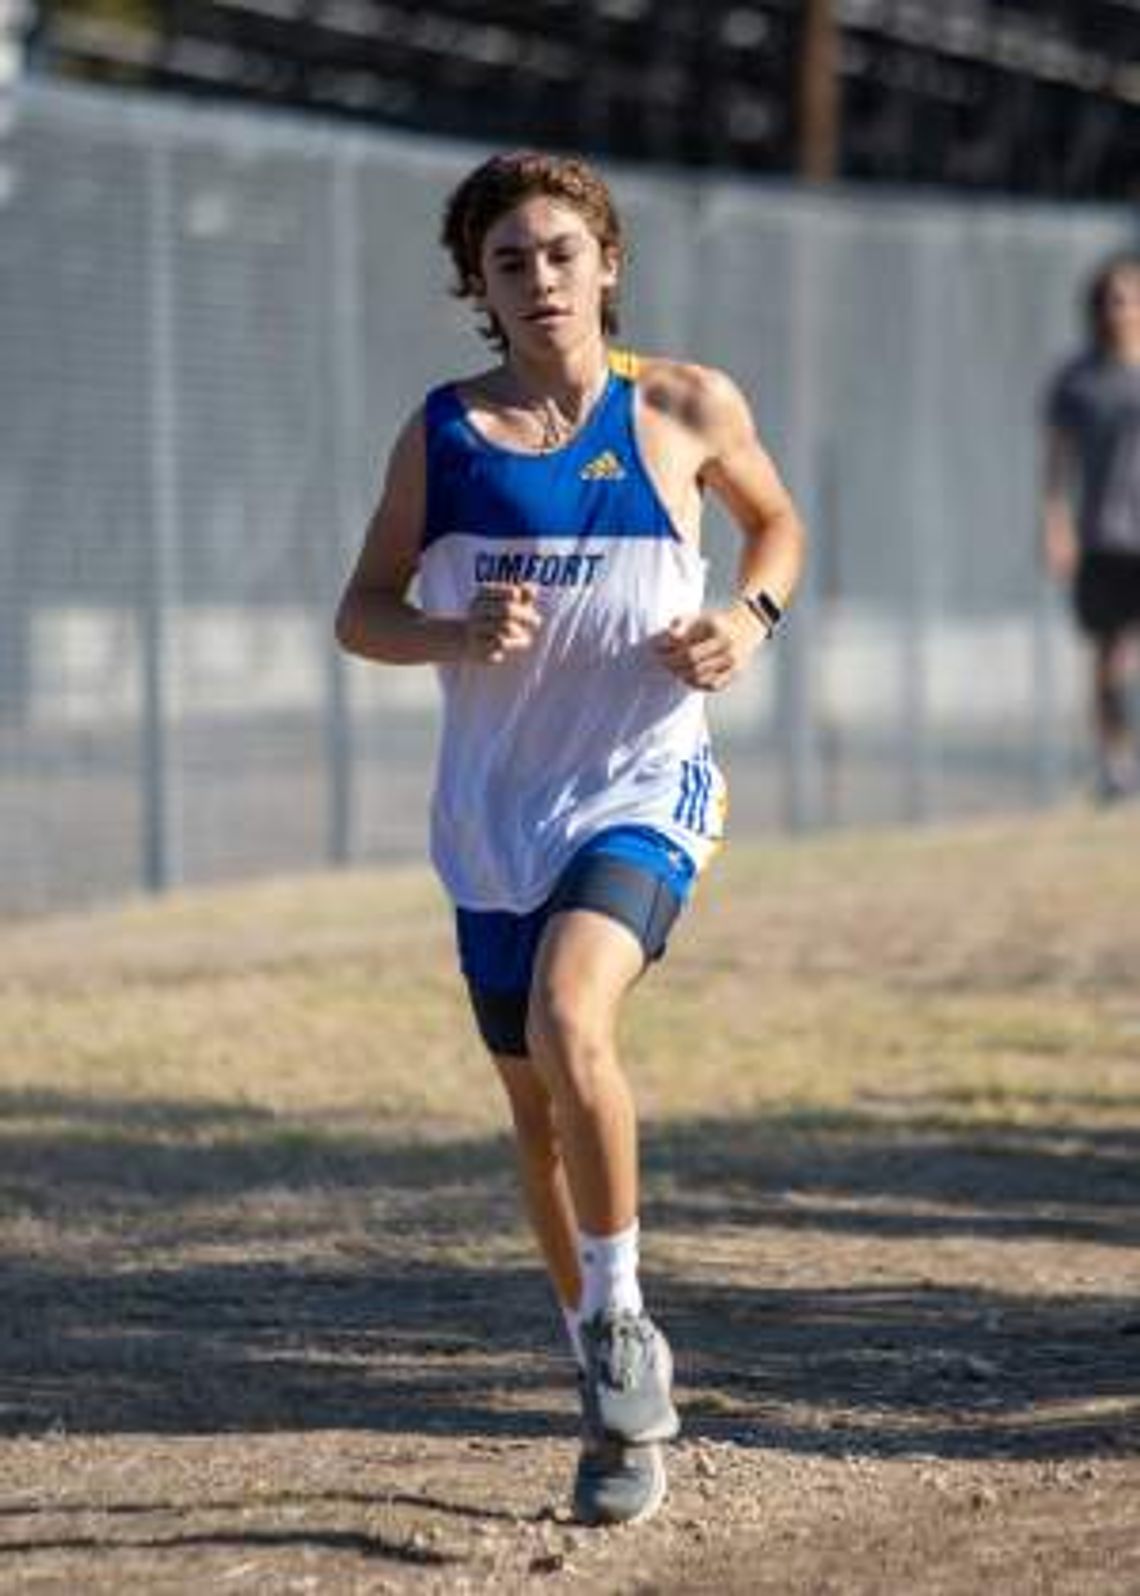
x: 920, y: 555
x: 161, y: 807
x: 1046, y: 713
x: 348, y: 406
x: 803, y: 790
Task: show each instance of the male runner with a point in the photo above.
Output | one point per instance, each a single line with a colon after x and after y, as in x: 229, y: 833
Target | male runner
x: 550, y: 508
x: 1091, y: 520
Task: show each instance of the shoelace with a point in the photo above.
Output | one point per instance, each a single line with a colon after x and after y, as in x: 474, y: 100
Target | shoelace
x: 628, y: 1351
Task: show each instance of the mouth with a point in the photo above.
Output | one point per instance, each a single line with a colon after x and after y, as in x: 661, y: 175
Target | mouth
x: 548, y: 313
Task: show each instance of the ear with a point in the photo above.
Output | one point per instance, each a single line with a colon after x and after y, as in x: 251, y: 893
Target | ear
x: 611, y: 266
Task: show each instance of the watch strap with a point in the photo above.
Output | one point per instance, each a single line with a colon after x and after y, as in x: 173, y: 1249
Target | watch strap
x: 764, y: 607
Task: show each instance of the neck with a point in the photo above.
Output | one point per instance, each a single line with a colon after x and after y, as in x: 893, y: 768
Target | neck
x: 570, y: 377
x: 1127, y: 352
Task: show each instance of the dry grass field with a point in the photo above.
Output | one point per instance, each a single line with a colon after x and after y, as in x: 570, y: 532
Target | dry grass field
x: 271, y: 1321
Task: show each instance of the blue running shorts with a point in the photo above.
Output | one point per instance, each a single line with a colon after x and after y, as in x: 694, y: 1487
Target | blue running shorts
x: 633, y: 874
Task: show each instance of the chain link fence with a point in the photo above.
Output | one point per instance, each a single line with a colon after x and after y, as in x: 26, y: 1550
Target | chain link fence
x: 211, y: 325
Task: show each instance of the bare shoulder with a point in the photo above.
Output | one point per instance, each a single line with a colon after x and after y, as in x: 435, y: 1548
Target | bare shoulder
x: 397, y: 521
x: 702, y: 399
x: 411, y: 433
x: 408, y: 452
x: 479, y: 387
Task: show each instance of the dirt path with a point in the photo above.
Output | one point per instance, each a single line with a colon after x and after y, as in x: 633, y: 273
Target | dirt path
x: 262, y: 1334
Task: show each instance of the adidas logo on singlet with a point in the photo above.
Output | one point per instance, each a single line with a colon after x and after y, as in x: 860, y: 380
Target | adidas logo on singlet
x: 604, y: 467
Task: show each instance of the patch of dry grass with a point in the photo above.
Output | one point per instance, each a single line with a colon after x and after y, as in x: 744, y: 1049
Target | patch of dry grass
x: 982, y: 972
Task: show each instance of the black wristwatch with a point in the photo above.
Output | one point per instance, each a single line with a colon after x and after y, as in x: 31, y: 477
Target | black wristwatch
x: 764, y: 607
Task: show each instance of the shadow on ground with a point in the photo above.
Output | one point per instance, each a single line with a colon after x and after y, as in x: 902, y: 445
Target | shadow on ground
x: 185, y: 1269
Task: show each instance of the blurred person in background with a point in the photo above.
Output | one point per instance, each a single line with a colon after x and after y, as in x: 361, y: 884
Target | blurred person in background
x: 548, y: 510
x: 1091, y: 519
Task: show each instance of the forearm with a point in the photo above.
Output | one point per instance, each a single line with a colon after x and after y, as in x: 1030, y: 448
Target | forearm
x: 709, y: 651
x: 1057, y: 521
x: 1058, y: 527
x: 772, y: 557
x: 380, y: 626
x: 1060, y: 542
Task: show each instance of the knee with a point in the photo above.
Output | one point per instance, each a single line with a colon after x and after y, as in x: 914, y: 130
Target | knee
x: 1115, y: 663
x: 570, y: 1038
x: 1112, y: 695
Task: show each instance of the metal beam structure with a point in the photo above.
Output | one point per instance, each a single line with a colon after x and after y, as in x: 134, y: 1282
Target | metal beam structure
x: 995, y: 95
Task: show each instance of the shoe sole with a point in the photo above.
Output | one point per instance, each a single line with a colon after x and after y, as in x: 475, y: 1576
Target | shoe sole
x: 660, y: 1491
x: 652, y: 1505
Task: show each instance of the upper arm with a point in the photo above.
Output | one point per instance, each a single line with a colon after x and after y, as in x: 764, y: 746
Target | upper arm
x: 1061, y: 412
x: 1058, y: 458
x: 737, y: 467
x: 391, y: 552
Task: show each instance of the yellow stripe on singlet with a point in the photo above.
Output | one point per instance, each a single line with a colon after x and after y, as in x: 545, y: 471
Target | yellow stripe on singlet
x: 624, y: 363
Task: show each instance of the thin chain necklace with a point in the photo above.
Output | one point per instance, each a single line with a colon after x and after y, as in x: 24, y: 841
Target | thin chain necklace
x: 556, y: 428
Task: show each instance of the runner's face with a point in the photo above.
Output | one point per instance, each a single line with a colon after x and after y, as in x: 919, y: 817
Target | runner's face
x: 543, y: 273
x: 1122, y: 307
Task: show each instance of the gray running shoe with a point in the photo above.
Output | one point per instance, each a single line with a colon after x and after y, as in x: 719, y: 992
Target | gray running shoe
x: 617, y: 1483
x: 629, y: 1377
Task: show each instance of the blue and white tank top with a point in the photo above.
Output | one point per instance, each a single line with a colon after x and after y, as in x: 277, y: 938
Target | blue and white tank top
x: 586, y: 729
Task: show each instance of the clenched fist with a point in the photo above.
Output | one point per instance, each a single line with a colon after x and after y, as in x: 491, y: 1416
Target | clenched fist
x: 709, y: 650
x: 502, y: 619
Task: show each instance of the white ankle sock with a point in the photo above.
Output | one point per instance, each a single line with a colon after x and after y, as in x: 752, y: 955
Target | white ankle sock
x: 609, y: 1272
x: 573, y: 1320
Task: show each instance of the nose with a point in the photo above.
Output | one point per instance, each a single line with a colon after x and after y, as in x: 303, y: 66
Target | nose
x: 542, y: 273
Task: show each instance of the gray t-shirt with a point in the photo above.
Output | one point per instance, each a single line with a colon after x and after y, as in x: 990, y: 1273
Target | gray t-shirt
x: 1095, y: 401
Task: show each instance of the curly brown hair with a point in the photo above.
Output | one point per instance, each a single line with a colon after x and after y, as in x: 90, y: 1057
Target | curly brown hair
x: 501, y: 183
